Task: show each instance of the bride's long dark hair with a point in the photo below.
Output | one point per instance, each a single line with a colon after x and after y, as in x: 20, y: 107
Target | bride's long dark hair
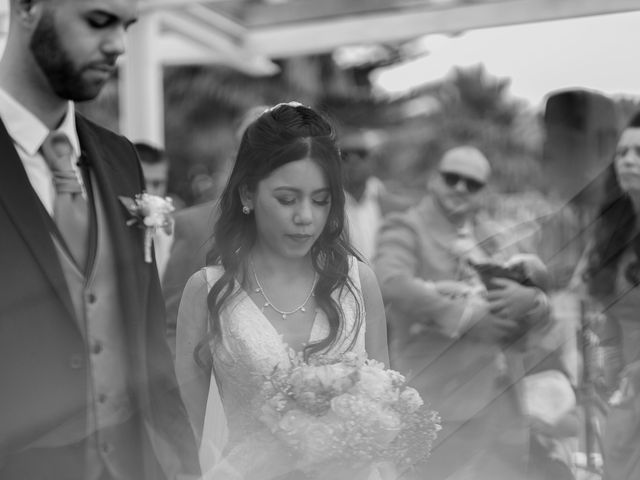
x: 285, y: 133
x: 613, y: 235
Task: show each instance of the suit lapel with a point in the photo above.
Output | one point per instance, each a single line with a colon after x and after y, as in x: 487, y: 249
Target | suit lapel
x: 26, y: 211
x: 127, y: 241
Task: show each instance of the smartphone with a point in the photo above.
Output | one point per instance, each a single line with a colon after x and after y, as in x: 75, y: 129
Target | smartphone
x: 488, y: 271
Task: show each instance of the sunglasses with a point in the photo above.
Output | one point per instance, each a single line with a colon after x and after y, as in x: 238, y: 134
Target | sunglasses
x: 453, y: 179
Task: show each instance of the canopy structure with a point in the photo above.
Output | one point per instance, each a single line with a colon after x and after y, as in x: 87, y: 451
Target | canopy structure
x: 248, y: 34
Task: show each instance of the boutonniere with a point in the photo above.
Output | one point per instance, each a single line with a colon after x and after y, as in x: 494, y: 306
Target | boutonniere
x: 150, y: 212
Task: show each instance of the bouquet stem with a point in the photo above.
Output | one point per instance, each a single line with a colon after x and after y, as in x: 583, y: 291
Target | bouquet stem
x: 148, y: 240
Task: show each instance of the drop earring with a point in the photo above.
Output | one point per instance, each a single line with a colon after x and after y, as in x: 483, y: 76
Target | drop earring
x: 246, y: 210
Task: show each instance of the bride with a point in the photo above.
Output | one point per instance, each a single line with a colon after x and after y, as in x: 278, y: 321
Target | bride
x: 282, y: 280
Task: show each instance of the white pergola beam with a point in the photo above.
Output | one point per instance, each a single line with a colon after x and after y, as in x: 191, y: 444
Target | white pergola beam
x: 324, y: 35
x: 197, y: 34
x: 141, y: 83
x: 233, y: 53
x: 151, y: 5
x: 178, y: 50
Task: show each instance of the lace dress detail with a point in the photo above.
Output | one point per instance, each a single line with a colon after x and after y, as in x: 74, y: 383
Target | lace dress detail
x: 249, y: 348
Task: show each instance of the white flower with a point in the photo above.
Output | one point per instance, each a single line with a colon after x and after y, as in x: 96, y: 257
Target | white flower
x: 411, y: 399
x: 347, y: 409
x: 389, y: 420
x: 376, y: 383
x: 294, y: 421
x: 150, y: 212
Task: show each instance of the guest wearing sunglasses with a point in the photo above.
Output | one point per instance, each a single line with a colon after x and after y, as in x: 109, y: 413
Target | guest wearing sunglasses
x: 460, y: 342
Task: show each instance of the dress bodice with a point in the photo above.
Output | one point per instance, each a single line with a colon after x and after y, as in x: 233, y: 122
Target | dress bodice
x: 249, y: 348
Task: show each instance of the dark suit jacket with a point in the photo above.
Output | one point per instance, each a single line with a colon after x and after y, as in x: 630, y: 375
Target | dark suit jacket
x: 43, y: 357
x: 192, y: 240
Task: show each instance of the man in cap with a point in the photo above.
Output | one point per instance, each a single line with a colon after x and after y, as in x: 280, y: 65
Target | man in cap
x: 193, y: 238
x: 367, y: 200
x: 459, y: 343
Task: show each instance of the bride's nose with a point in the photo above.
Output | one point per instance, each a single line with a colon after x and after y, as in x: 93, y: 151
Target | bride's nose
x: 303, y: 214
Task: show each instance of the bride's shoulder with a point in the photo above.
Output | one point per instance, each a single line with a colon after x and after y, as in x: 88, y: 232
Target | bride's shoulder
x: 360, y: 272
x: 212, y: 274
x: 206, y: 277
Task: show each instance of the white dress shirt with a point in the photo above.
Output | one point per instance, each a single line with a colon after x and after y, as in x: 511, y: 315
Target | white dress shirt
x: 28, y: 133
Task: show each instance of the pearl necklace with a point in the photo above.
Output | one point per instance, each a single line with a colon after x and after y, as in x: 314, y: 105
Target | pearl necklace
x: 269, y: 303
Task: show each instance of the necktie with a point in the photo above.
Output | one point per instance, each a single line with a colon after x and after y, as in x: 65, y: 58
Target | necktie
x: 70, y: 211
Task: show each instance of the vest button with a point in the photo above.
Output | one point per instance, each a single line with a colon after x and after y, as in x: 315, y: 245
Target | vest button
x: 76, y: 361
x: 102, y: 398
x: 91, y: 298
x: 97, y: 348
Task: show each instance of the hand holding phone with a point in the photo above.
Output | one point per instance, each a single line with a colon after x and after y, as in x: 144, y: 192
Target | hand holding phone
x: 489, y: 270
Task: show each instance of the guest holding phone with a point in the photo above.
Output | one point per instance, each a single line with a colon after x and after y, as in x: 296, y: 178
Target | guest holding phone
x: 460, y: 343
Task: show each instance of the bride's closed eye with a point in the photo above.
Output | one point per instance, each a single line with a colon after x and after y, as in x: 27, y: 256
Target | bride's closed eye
x: 286, y: 200
x: 323, y: 201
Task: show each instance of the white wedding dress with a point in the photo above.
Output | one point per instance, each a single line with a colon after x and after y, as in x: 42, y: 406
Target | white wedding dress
x: 236, y: 445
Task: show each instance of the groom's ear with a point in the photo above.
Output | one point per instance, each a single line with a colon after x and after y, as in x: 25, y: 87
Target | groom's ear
x: 246, y: 196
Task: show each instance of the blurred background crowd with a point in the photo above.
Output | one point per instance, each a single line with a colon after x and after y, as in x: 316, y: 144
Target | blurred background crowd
x: 547, y: 160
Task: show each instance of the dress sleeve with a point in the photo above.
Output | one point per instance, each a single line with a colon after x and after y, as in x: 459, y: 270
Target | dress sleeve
x: 191, y: 329
x: 197, y: 385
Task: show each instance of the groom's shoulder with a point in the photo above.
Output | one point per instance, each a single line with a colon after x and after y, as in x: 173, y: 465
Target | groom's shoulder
x: 106, y: 137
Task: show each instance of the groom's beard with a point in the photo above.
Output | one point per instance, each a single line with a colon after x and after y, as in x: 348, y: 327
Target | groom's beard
x: 65, y: 79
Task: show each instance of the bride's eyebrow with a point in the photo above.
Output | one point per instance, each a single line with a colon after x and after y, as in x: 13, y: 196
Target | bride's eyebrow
x: 299, y: 190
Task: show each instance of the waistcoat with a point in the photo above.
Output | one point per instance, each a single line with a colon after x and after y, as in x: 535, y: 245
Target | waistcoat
x: 98, y: 313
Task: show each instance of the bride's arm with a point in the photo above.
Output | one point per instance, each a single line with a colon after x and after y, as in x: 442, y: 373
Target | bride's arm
x: 193, y: 380
x: 376, y: 322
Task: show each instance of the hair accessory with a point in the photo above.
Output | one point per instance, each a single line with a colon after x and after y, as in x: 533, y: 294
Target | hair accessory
x: 269, y: 303
x: 246, y: 210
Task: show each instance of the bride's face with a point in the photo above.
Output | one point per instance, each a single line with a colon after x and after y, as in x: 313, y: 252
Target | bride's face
x: 291, y: 207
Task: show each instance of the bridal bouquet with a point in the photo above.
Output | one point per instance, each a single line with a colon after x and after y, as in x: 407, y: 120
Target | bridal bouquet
x: 348, y: 410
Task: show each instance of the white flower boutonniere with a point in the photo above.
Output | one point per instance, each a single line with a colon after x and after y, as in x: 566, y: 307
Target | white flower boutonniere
x: 151, y: 213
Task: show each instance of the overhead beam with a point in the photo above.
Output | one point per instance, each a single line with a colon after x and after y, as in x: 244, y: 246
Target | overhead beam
x: 148, y: 5
x: 234, y: 54
x: 141, y: 83
x: 324, y: 35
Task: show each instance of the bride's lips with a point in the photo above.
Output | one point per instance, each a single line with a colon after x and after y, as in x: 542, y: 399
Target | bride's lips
x: 299, y: 237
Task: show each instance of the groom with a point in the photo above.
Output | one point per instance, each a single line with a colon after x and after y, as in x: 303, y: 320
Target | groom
x: 87, y: 384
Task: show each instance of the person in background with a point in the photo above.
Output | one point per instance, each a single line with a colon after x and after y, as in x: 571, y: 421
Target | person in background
x: 608, y: 278
x: 192, y: 234
x: 367, y: 198
x: 155, y: 169
x: 88, y: 385
x: 460, y: 341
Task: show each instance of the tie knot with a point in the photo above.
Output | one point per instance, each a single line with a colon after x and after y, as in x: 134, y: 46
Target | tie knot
x: 58, y: 152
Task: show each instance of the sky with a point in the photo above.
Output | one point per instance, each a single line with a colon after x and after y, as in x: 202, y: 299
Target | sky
x: 597, y: 53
